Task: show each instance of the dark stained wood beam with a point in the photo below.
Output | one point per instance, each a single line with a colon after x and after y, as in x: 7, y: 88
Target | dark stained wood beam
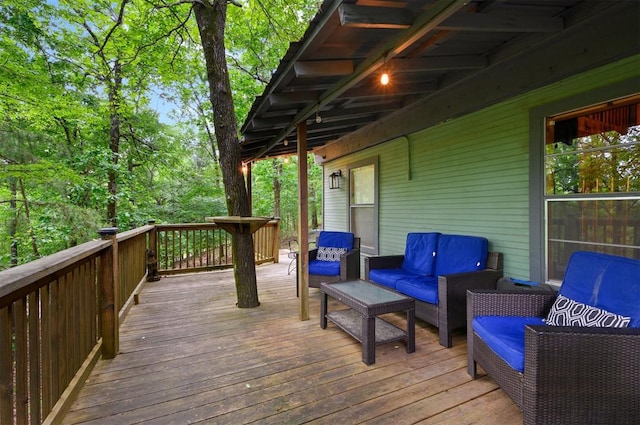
x: 297, y: 96
x: 391, y: 90
x: 438, y: 63
x: 483, y: 22
x: 323, y: 68
x: 374, y: 17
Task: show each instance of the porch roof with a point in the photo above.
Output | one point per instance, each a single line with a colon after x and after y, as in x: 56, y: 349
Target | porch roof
x: 330, y: 78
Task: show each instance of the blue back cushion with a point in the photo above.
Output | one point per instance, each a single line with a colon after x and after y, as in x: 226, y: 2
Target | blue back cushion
x: 605, y: 281
x: 335, y: 239
x: 458, y: 254
x: 419, y: 253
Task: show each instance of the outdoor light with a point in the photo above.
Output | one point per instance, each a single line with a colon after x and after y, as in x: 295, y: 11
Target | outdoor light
x: 384, y: 77
x: 334, y: 179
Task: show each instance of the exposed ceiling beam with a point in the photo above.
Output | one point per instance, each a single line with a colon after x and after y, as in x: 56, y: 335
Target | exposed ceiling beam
x: 437, y: 63
x: 483, y: 22
x: 355, y: 16
x: 323, y: 68
x: 294, y: 96
x: 332, y: 125
x: 391, y: 90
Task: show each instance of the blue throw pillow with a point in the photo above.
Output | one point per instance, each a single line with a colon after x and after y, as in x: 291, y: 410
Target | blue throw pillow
x: 567, y: 312
x: 330, y: 253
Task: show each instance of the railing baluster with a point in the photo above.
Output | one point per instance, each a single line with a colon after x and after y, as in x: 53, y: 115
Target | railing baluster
x: 33, y: 301
x: 6, y: 366
x: 21, y: 359
x: 45, y: 344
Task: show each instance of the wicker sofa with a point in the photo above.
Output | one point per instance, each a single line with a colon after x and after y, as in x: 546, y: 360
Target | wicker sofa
x: 437, y: 270
x: 584, y: 373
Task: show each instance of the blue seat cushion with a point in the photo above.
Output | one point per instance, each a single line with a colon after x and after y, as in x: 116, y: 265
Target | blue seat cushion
x: 607, y: 282
x: 459, y: 254
x: 423, y: 288
x: 505, y: 336
x: 326, y: 268
x: 389, y: 277
x: 419, y: 253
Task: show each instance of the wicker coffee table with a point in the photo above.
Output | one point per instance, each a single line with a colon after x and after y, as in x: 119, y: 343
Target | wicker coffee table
x: 367, y: 300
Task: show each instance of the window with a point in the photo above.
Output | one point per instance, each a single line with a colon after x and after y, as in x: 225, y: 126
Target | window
x: 363, y: 210
x: 592, y: 182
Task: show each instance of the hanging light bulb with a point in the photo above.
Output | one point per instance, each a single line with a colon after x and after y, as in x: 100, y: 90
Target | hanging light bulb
x: 384, y: 77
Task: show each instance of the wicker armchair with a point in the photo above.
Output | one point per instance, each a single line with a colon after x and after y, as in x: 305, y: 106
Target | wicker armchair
x: 346, y: 267
x: 569, y: 374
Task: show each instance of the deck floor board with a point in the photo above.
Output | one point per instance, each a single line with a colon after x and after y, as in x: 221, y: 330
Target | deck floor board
x: 189, y: 355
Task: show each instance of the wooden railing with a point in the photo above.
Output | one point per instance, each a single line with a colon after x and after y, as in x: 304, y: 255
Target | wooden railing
x: 183, y: 248
x: 60, y: 313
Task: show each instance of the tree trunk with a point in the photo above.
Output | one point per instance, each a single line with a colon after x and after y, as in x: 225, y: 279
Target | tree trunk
x: 114, y: 143
x: 32, y: 236
x: 13, y: 221
x: 211, y: 19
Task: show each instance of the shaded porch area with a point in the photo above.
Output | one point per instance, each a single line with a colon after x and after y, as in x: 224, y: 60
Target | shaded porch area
x: 188, y: 355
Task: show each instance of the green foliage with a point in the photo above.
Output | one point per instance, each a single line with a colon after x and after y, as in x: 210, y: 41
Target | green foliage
x: 69, y: 68
x: 285, y: 170
x: 601, y: 163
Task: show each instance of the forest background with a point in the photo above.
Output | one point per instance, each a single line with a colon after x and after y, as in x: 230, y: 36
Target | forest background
x: 105, y: 118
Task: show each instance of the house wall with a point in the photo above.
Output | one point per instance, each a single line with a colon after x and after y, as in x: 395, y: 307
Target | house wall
x: 469, y: 175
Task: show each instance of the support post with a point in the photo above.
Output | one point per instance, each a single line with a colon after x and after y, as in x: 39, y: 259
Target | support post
x: 248, y: 183
x: 303, y: 223
x: 108, y: 281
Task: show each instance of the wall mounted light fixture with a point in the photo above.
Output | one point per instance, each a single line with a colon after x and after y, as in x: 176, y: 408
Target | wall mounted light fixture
x: 334, y: 179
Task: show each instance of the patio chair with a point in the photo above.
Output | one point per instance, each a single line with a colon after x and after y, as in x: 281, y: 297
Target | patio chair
x: 560, y: 356
x: 335, y: 258
x: 437, y: 269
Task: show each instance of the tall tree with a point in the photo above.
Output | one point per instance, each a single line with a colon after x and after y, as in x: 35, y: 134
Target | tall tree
x: 211, y: 18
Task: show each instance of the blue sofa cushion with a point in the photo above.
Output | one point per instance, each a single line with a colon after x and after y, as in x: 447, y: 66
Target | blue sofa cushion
x: 326, y: 268
x: 568, y: 312
x: 389, y: 277
x: 419, y: 253
x: 423, y: 288
x: 505, y: 336
x: 335, y: 240
x: 459, y: 254
x: 604, y: 281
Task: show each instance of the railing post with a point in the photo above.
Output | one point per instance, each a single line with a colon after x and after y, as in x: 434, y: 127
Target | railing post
x: 153, y: 236
x: 152, y: 255
x: 276, y: 241
x: 109, y: 278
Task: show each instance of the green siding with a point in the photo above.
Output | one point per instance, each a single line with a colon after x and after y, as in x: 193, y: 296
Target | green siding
x: 469, y: 175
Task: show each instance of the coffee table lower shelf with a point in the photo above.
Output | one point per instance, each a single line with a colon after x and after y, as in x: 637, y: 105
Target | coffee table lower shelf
x: 350, y: 321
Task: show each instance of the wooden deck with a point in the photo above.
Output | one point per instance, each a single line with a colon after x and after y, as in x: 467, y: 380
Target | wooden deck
x: 188, y: 355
